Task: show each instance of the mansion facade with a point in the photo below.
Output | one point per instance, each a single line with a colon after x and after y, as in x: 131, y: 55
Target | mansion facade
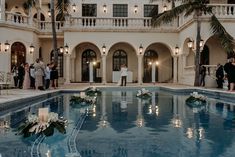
x: 109, y: 34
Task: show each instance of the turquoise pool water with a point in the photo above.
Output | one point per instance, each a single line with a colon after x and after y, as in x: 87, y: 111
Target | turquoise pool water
x: 121, y: 125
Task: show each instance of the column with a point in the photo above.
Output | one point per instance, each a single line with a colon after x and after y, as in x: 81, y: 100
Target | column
x: 67, y: 68
x: 175, y: 70
x: 153, y: 72
x: 140, y: 58
x: 2, y: 11
x: 91, y: 73
x: 73, y: 69
x: 104, y: 69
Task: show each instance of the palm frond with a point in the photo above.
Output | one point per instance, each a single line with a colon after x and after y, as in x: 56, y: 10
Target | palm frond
x: 225, y: 38
x: 62, y: 7
x: 168, y: 16
x: 29, y: 4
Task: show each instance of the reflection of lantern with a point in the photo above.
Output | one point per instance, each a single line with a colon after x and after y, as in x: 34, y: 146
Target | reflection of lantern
x: 193, y: 132
x: 176, y: 121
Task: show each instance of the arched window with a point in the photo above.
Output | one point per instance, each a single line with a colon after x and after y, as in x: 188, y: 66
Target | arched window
x: 119, y: 58
x: 60, y: 64
x: 87, y: 57
x: 150, y: 56
x: 42, y: 17
x: 18, y: 54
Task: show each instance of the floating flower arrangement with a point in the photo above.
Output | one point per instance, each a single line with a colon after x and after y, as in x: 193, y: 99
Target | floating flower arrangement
x: 42, y: 124
x: 82, y: 100
x: 143, y: 93
x: 92, y: 91
x: 195, y: 99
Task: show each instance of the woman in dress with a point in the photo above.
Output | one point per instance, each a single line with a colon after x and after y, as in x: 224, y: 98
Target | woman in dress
x: 26, y: 83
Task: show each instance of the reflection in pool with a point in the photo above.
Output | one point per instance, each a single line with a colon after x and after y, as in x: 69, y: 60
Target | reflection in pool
x: 121, y: 125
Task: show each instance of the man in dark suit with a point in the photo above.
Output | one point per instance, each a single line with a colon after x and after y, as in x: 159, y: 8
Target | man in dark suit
x: 220, y: 76
x: 21, y: 73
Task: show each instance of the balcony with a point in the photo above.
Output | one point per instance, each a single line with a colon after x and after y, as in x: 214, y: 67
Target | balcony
x: 222, y: 11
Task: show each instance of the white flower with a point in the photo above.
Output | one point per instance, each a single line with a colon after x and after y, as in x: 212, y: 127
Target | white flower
x: 52, y: 117
x: 33, y: 118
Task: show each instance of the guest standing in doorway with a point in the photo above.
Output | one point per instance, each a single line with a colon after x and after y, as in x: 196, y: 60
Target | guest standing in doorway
x: 123, y: 75
x: 21, y: 73
x: 219, y: 76
x: 26, y: 83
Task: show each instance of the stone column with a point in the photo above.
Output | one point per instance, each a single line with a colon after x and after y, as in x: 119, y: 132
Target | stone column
x: 73, y: 69
x: 104, y: 69
x: 140, y: 59
x: 175, y: 76
x: 2, y: 10
x: 67, y: 68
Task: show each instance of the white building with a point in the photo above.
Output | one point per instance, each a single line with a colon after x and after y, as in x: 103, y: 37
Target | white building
x: 122, y: 28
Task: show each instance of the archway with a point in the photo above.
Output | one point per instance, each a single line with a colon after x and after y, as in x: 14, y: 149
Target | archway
x: 150, y: 57
x: 118, y: 54
x: 87, y: 57
x: 81, y: 55
x: 18, y: 54
x: 161, y: 53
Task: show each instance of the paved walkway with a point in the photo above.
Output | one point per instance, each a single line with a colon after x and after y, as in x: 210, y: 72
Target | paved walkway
x: 17, y: 94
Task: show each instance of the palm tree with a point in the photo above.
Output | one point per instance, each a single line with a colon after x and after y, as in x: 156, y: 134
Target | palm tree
x: 62, y: 10
x: 197, y: 8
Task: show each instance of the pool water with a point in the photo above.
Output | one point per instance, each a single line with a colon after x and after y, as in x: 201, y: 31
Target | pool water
x: 122, y: 125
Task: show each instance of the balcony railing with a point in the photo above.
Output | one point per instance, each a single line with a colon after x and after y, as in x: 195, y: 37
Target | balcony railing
x: 222, y: 11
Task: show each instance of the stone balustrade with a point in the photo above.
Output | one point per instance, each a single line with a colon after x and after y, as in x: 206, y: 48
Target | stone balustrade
x: 222, y: 11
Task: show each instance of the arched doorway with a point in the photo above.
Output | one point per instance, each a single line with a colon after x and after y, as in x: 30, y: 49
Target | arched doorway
x: 150, y: 56
x: 87, y: 57
x: 119, y: 58
x: 18, y: 54
x: 204, y: 60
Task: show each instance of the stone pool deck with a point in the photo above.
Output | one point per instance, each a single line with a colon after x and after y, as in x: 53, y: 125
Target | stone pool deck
x: 15, y: 95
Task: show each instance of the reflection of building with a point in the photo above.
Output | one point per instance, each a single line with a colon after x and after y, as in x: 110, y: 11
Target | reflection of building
x: 132, y: 40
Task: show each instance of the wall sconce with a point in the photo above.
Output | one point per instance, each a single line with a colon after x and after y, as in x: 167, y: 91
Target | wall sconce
x: 135, y: 8
x: 7, y: 46
x: 164, y: 8
x: 104, y: 49
x: 66, y: 48
x: 61, y: 49
x: 157, y: 63
x: 201, y: 43
x: 74, y: 7
x: 191, y: 44
x: 49, y: 13
x: 177, y: 50
x: 141, y: 49
x: 31, y: 48
x: 105, y: 8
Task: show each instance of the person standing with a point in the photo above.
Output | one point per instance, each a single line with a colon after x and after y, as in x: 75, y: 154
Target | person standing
x: 219, y: 76
x: 39, y: 73
x: 21, y: 74
x: 26, y: 83
x: 15, y: 75
x: 123, y: 75
x: 32, y: 76
x: 232, y: 75
x: 202, y: 75
x: 47, y: 76
x: 227, y: 69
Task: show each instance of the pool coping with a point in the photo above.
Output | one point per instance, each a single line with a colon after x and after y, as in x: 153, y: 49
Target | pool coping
x: 225, y: 95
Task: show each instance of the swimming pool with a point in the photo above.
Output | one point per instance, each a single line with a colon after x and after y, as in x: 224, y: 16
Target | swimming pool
x: 122, y: 125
